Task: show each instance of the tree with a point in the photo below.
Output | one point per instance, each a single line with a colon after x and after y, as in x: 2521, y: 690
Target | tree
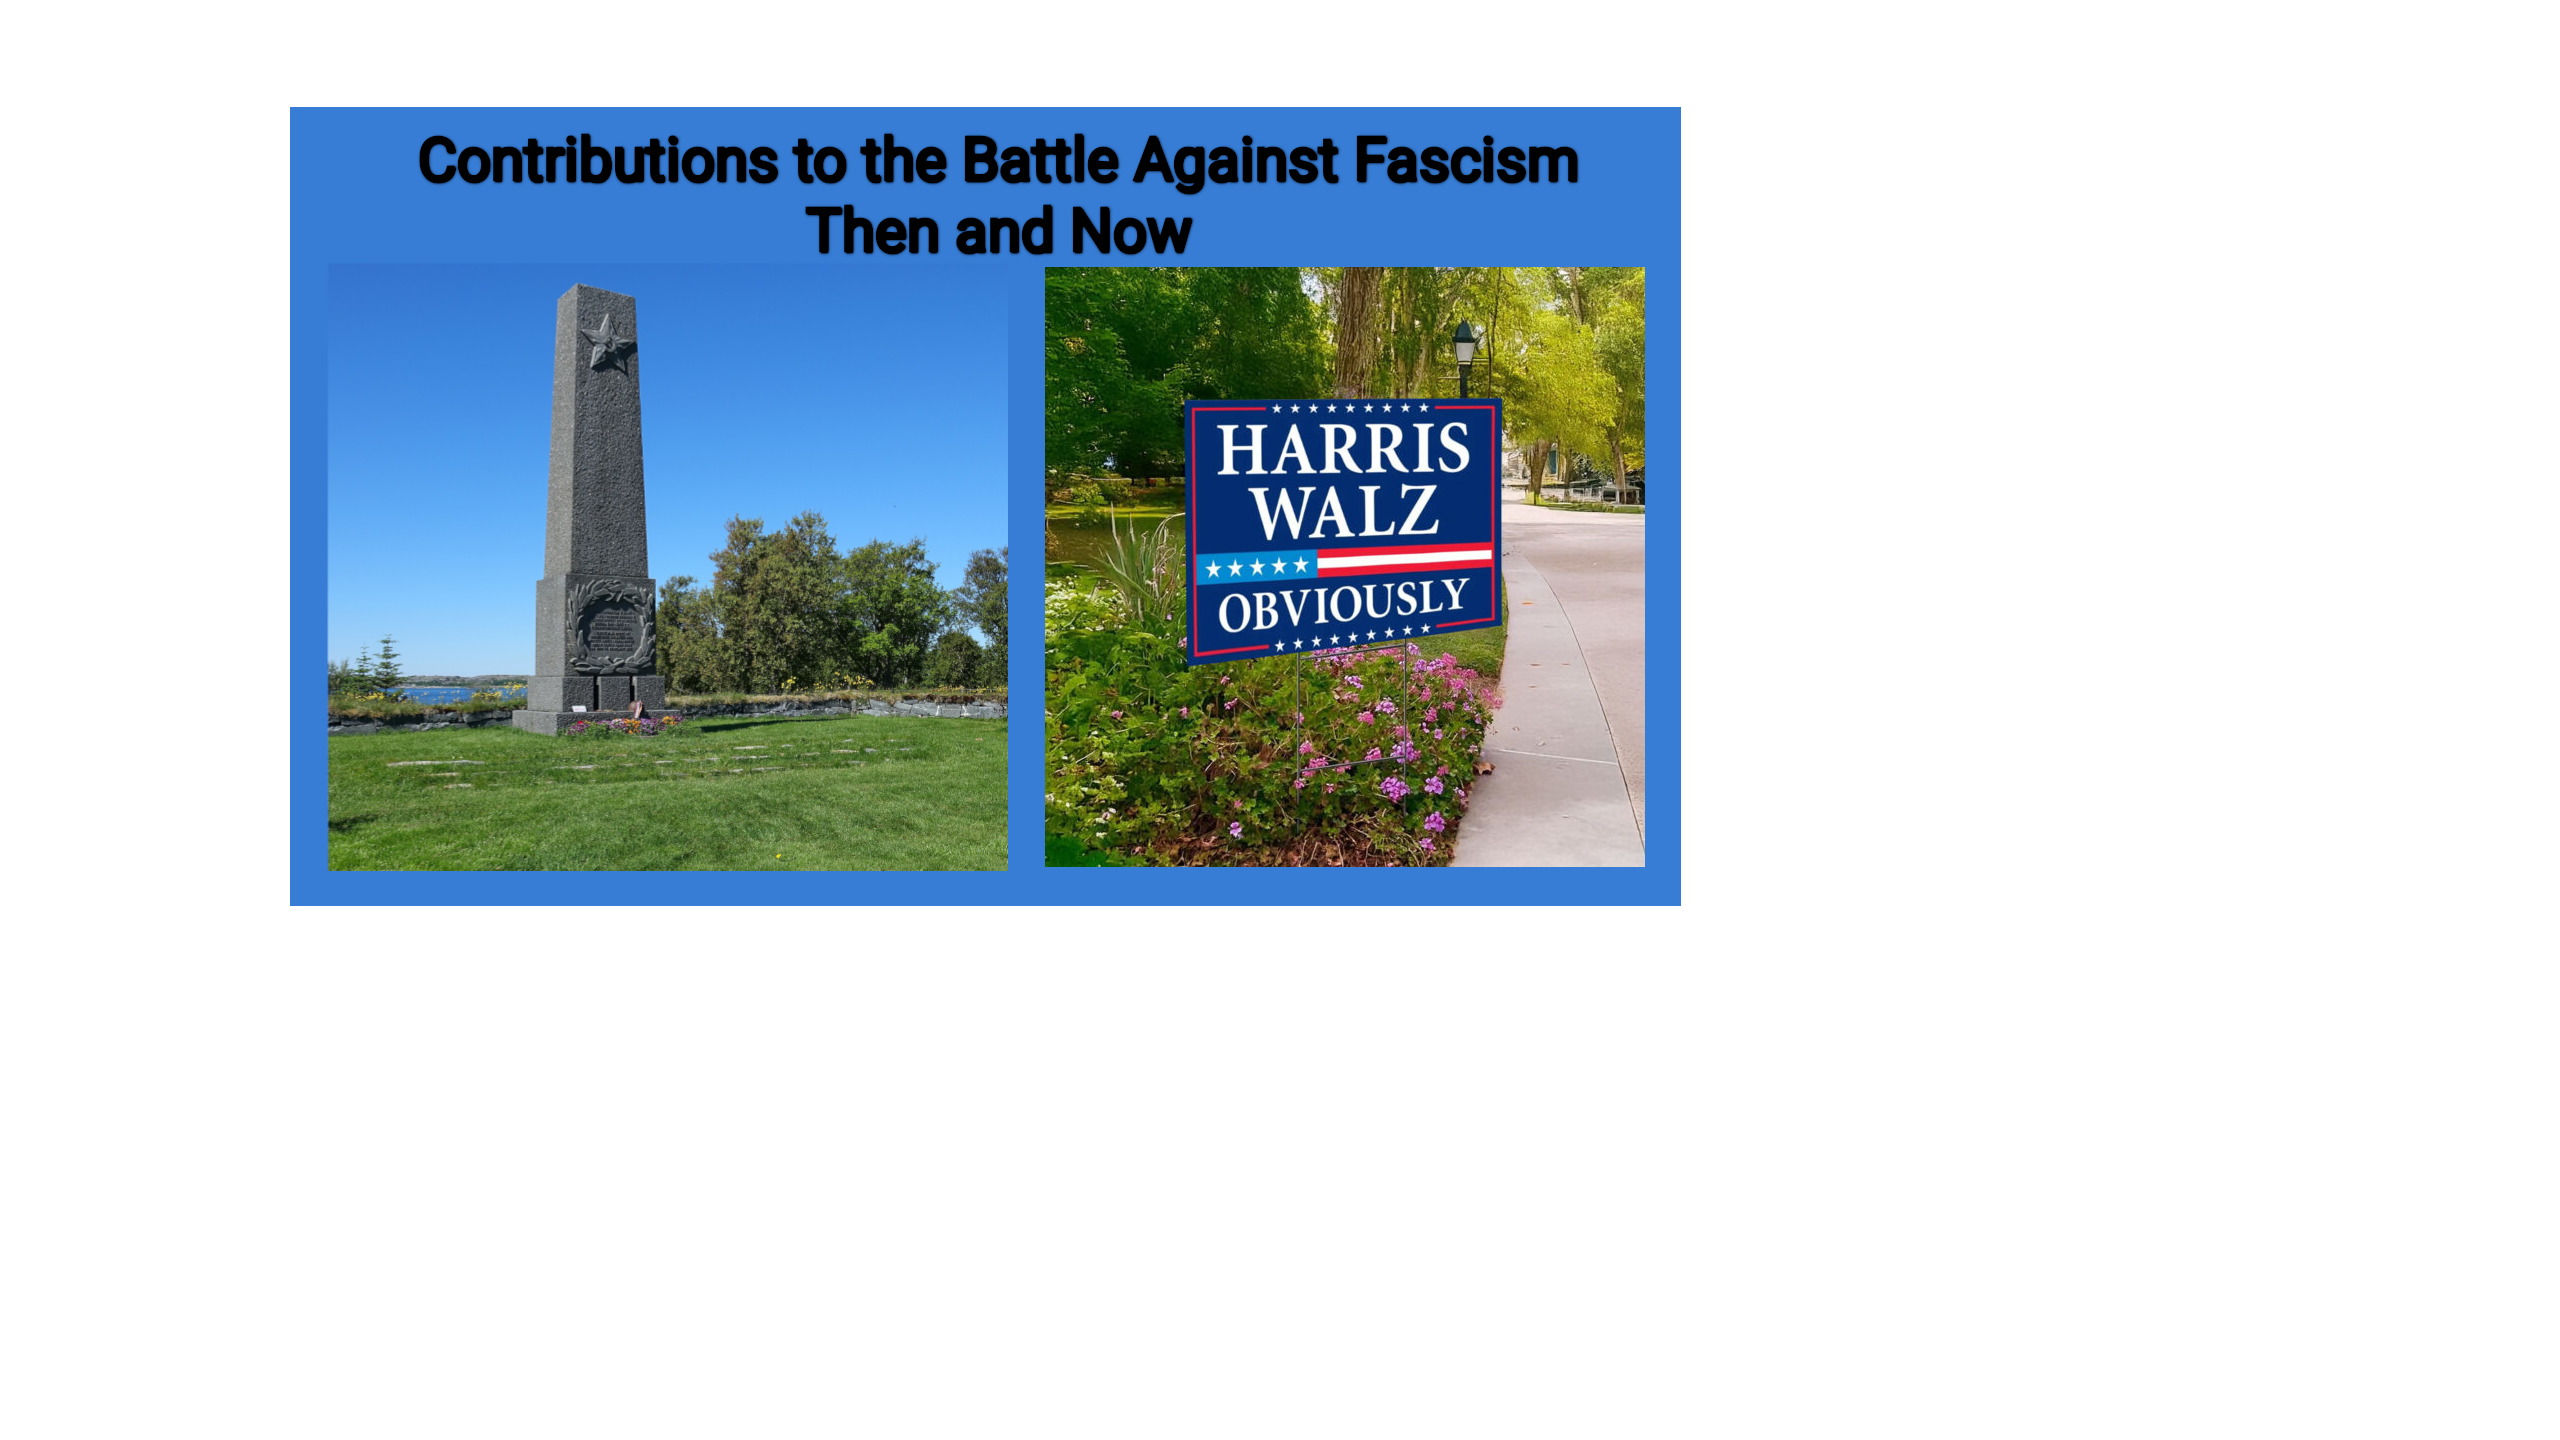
x: 981, y: 596
x: 892, y: 612
x: 688, y: 636
x: 1358, y: 321
x: 380, y: 670
x: 1127, y: 345
x: 957, y: 662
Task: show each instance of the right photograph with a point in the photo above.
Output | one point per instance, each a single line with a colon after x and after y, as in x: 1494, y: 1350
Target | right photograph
x: 1345, y: 566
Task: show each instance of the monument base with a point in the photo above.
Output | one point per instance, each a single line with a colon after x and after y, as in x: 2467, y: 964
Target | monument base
x: 607, y: 697
x: 551, y: 721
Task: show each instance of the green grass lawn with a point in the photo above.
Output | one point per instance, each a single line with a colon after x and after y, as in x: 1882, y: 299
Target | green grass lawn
x: 861, y: 793
x: 1080, y: 544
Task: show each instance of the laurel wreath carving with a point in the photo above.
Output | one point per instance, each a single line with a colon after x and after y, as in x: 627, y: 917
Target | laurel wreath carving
x: 585, y: 598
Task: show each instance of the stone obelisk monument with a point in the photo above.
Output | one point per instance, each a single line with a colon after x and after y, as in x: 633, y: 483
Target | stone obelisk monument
x: 595, y: 610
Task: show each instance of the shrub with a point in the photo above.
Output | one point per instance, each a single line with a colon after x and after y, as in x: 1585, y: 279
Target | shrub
x: 1087, y: 498
x: 1364, y: 755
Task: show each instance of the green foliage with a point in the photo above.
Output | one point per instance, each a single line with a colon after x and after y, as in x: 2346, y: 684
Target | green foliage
x: 385, y: 672
x: 1362, y: 757
x: 982, y: 595
x: 785, y: 609
x: 1146, y: 569
x: 958, y: 661
x: 1087, y: 498
x: 894, y: 611
x: 1127, y: 345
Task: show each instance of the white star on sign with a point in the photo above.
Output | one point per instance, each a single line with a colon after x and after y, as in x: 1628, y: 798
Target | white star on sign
x: 1373, y: 634
x: 1257, y: 567
x: 1275, y: 409
x: 1302, y: 565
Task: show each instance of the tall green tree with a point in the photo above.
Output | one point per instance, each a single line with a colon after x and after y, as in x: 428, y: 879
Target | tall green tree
x: 892, y: 611
x: 982, y: 594
x: 1125, y: 346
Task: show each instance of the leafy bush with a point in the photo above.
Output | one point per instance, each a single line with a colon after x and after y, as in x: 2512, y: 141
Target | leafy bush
x: 1359, y: 757
x: 1087, y: 498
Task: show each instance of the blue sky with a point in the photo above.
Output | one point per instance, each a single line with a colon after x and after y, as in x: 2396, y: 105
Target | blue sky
x: 875, y: 397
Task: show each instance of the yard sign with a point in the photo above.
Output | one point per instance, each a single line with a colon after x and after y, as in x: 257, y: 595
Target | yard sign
x: 1324, y: 524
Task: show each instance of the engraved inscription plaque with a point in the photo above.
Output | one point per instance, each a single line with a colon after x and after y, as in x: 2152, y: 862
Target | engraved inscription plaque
x: 613, y: 630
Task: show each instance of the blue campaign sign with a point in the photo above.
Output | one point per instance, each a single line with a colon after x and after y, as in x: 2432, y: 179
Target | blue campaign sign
x: 1324, y: 524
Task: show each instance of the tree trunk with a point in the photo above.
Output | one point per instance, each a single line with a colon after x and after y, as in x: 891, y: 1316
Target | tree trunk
x: 1356, y: 319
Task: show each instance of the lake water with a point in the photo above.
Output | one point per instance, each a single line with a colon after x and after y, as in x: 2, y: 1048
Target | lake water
x: 451, y: 694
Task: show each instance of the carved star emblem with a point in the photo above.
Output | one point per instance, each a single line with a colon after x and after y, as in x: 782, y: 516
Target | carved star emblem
x: 609, y: 350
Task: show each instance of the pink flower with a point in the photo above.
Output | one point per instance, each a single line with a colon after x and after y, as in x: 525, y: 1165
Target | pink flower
x: 1372, y: 755
x: 1427, y: 843
x: 1386, y: 707
x: 1186, y: 712
x: 1299, y: 784
x: 1434, y: 822
x: 1306, y: 747
x: 1236, y: 830
x: 1328, y: 789
x: 1432, y: 785
x: 1115, y: 714
x: 1231, y: 704
x: 1368, y: 719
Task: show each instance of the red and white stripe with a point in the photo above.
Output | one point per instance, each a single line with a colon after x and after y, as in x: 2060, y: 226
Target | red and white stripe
x: 1404, y: 557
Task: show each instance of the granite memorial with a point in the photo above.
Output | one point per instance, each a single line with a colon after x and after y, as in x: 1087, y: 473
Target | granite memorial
x: 595, y: 648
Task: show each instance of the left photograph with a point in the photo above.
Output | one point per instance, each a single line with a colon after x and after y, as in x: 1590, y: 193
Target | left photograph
x: 749, y: 615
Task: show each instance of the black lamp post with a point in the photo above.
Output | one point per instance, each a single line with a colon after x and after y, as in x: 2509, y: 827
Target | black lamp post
x: 1465, y: 341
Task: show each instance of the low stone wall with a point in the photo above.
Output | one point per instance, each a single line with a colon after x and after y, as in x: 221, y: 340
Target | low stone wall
x: 446, y: 720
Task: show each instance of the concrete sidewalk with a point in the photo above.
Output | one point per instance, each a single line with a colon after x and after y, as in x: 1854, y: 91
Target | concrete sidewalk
x: 1559, y: 794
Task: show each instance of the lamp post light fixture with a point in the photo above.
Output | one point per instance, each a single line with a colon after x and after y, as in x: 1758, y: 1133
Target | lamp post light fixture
x: 1465, y: 343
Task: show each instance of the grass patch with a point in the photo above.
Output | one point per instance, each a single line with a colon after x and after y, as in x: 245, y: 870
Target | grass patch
x: 1081, y: 543
x: 1479, y: 650
x: 860, y: 793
